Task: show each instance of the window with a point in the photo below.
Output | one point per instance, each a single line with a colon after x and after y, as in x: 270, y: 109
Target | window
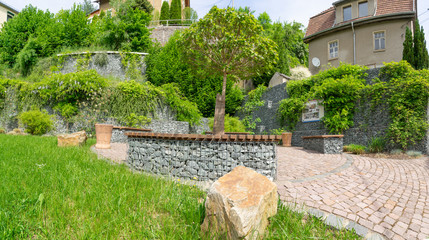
x: 347, y: 13
x: 333, y: 50
x: 363, y: 9
x: 379, y: 41
x: 10, y: 15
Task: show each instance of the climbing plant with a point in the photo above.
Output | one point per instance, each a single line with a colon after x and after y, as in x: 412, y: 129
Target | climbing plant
x: 338, y: 88
x: 253, y: 102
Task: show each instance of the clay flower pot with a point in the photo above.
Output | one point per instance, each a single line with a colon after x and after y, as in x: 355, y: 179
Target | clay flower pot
x: 287, y: 139
x: 103, y: 133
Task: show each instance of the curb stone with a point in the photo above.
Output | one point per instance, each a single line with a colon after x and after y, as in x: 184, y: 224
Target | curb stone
x: 337, y: 222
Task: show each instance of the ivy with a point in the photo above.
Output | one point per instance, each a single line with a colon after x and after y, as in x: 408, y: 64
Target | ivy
x: 408, y: 93
x: 253, y: 102
x: 339, y: 88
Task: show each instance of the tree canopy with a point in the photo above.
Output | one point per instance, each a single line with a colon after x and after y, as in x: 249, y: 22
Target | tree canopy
x: 415, y: 51
x: 226, y: 43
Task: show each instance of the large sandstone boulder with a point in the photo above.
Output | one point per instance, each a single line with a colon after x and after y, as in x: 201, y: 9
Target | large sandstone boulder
x: 239, y: 205
x: 74, y: 139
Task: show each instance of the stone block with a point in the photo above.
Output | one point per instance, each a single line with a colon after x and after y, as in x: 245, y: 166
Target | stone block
x: 74, y: 139
x: 239, y: 205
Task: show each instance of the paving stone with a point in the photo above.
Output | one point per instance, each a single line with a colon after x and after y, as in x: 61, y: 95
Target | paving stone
x: 384, y: 195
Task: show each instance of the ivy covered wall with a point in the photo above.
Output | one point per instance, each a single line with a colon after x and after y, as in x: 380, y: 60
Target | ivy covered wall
x: 362, y: 104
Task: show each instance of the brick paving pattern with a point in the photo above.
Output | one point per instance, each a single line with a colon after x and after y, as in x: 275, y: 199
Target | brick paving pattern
x: 389, y: 197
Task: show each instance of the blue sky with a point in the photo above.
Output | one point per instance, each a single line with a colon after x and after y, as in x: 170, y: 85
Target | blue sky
x: 281, y: 10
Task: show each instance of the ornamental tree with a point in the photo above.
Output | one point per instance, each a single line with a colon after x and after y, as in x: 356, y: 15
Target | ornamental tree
x: 228, y: 43
x: 176, y: 11
x: 165, y: 13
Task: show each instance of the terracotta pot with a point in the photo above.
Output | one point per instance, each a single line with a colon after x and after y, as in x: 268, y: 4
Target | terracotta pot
x: 287, y: 139
x: 103, y: 133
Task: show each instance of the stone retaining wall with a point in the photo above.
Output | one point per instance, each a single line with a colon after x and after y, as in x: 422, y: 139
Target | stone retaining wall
x: 112, y: 65
x: 327, y: 144
x: 206, y: 157
x: 369, y: 122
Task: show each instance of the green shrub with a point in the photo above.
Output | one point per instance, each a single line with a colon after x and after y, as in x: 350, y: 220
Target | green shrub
x: 185, y: 109
x: 36, y: 122
x: 396, y: 151
x: 101, y: 59
x: 354, y: 148
x: 135, y: 121
x: 414, y: 153
x: 232, y: 124
x: 376, y: 145
x: 278, y: 131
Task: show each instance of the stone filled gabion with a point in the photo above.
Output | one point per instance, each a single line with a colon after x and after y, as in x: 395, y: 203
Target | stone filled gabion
x: 205, y: 160
x: 333, y: 145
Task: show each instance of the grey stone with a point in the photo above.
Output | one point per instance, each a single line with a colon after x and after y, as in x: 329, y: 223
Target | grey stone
x: 360, y: 230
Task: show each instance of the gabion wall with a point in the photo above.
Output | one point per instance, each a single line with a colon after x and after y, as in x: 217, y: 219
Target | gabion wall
x: 332, y: 145
x: 205, y: 160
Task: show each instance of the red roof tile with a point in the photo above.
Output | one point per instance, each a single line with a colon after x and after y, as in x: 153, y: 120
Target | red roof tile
x: 321, y: 21
x: 326, y: 19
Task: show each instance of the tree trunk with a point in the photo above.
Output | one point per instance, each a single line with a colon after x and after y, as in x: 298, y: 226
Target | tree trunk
x: 219, y: 117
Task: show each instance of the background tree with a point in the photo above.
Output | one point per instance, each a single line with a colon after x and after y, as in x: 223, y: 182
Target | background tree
x: 408, y: 52
x: 228, y: 43
x: 420, y: 50
x: 167, y: 65
x: 16, y: 32
x: 87, y: 7
x: 176, y: 11
x: 415, y: 51
x: 126, y: 30
x: 292, y: 50
x: 143, y: 5
x: 165, y: 13
x: 190, y: 15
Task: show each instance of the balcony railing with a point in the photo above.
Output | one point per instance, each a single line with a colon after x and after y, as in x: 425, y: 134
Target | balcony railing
x: 172, y: 22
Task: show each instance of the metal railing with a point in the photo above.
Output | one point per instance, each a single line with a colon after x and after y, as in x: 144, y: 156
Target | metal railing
x: 172, y: 22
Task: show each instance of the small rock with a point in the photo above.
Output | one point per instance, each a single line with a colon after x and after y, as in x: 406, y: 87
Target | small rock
x: 239, y: 204
x: 74, y: 139
x: 16, y: 131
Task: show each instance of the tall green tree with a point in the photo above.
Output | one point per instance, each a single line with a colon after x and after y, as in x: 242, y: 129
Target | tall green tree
x: 16, y: 32
x: 291, y: 48
x: 165, y: 13
x: 143, y: 5
x: 176, y: 11
x: 127, y: 30
x: 190, y: 15
x: 408, y: 52
x: 420, y: 50
x: 228, y: 43
x: 87, y: 7
x: 167, y: 65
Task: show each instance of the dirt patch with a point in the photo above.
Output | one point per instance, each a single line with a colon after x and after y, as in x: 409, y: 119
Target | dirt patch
x: 401, y: 156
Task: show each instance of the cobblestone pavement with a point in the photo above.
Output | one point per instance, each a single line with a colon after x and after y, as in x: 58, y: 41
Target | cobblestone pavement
x: 117, y: 152
x: 388, y: 197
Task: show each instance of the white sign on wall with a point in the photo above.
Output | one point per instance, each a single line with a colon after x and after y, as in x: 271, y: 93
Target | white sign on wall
x: 313, y: 111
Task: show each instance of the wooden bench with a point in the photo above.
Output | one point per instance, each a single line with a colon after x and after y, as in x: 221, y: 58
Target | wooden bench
x: 326, y: 144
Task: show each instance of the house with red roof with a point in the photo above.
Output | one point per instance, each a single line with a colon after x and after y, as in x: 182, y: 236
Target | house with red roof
x: 364, y: 32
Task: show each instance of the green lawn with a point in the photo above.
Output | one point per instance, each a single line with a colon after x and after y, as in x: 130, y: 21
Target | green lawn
x: 48, y: 192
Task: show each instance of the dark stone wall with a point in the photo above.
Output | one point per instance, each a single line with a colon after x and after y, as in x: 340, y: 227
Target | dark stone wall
x: 324, y: 145
x: 369, y: 122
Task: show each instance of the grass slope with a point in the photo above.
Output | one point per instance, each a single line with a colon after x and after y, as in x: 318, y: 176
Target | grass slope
x: 48, y: 192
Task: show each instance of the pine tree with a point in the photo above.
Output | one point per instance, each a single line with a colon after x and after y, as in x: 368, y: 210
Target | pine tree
x: 408, y: 52
x: 165, y: 13
x: 176, y: 11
